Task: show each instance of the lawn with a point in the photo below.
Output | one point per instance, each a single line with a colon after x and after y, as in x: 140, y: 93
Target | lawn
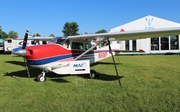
x: 149, y: 83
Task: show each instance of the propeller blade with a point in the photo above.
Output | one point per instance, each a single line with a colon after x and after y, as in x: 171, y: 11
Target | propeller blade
x: 25, y: 40
x: 110, y: 50
x: 23, y: 49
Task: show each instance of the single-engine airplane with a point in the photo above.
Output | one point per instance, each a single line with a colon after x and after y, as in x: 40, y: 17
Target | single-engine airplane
x: 58, y: 55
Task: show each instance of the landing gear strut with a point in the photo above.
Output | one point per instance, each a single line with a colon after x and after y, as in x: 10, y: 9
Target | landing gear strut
x: 41, y: 77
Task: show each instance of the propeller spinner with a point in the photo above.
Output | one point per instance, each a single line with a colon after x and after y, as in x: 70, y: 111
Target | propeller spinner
x: 22, y: 51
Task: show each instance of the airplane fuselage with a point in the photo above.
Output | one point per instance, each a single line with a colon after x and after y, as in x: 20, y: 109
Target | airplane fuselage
x: 56, y: 58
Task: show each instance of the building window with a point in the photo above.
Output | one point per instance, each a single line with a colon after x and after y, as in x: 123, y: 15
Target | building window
x: 165, y: 43
x: 32, y: 42
x: 155, y: 43
x: 44, y: 42
x: 127, y: 44
x: 174, y: 42
x: 134, y: 45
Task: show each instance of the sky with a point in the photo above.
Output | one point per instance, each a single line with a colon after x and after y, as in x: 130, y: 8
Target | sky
x: 49, y: 16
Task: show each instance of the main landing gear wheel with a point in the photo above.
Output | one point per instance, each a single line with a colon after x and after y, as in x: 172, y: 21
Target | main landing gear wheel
x: 93, y: 74
x: 41, y: 77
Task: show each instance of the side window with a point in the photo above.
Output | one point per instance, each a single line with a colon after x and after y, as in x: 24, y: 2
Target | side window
x: 93, y: 44
x: 77, y: 45
x: 9, y: 41
x: 88, y: 45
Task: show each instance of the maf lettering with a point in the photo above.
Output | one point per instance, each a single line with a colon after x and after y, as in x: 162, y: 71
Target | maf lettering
x: 80, y: 65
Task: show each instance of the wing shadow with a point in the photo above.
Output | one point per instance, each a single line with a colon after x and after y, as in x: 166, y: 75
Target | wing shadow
x: 111, y: 63
x: 107, y: 77
x: 104, y: 77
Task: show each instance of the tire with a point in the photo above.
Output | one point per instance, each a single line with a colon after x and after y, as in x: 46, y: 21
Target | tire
x: 92, y: 74
x: 40, y: 78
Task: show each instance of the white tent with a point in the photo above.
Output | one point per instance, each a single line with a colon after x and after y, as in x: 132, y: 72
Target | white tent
x: 147, y: 23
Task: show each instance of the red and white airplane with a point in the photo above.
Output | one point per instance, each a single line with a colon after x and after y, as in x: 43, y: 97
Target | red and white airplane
x: 63, y: 54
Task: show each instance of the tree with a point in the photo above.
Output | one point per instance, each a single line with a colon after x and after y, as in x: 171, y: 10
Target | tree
x: 102, y: 31
x: 0, y: 29
x: 2, y: 33
x: 52, y: 35
x: 70, y: 28
x: 12, y: 34
x: 36, y: 35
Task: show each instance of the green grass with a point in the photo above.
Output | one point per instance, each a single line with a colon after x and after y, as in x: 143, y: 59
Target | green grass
x: 149, y: 83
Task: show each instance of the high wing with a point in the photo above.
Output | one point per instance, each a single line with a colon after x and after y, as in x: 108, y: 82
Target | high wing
x: 38, y: 38
x: 128, y: 35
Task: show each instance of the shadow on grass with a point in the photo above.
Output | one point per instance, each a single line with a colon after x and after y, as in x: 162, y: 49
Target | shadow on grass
x: 107, y: 77
x: 16, y: 63
x: 170, y: 53
x: 105, y: 63
x: 57, y: 78
x: 34, y: 73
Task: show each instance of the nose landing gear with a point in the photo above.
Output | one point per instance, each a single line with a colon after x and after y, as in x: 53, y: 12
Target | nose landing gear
x: 41, y: 77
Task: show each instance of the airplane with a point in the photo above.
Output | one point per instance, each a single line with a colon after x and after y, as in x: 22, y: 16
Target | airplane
x: 62, y: 53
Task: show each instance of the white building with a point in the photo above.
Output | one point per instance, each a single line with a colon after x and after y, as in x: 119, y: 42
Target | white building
x: 166, y: 44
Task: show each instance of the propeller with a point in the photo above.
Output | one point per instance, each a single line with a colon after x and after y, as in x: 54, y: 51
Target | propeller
x: 22, y: 51
x: 25, y: 40
x: 24, y: 47
x: 110, y: 50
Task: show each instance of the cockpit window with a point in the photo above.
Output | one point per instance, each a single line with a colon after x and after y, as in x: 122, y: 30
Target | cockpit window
x: 52, y: 41
x: 60, y: 40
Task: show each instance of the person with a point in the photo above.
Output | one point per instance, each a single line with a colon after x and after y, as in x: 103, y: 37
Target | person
x: 80, y: 47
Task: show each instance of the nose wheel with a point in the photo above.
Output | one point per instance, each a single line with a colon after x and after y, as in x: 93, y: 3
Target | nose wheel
x: 41, y: 77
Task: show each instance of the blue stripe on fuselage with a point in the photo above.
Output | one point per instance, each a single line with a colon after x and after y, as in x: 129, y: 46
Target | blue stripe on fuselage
x: 48, y: 60
x: 56, y: 58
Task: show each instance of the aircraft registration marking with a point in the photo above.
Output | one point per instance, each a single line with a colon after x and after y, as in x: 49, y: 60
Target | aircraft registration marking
x: 102, y: 55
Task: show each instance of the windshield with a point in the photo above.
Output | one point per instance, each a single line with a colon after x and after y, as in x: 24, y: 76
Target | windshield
x: 58, y: 40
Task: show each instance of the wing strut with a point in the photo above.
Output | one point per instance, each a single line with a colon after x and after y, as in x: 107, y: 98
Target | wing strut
x: 89, y: 49
x: 110, y: 50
